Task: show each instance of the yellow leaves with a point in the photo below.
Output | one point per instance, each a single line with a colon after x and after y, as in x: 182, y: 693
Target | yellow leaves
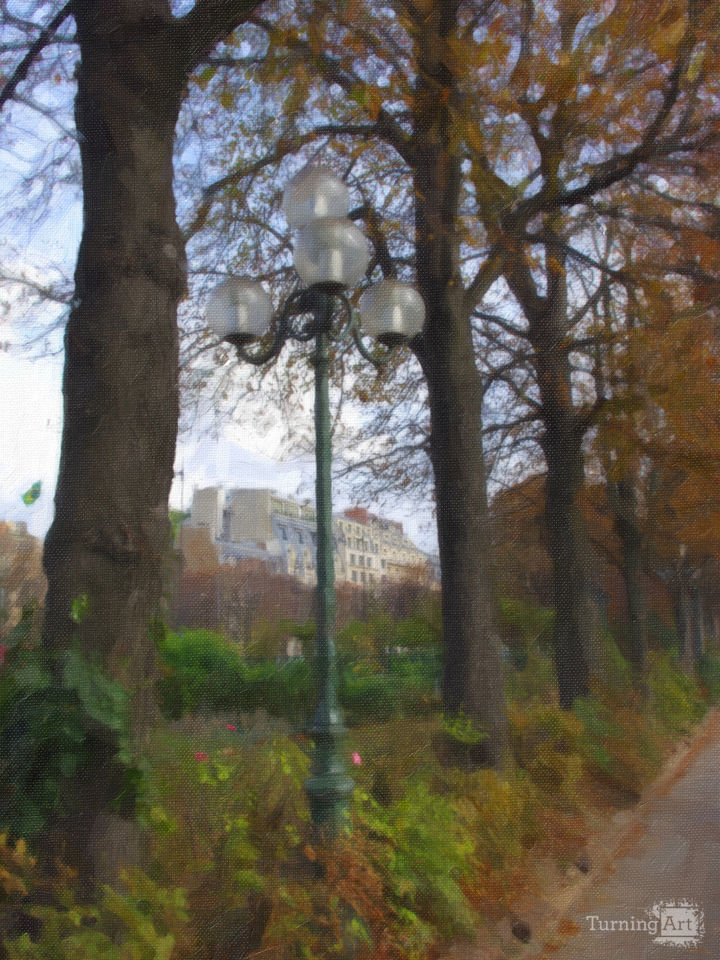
x: 15, y: 866
x: 554, y: 266
x: 227, y: 99
x: 298, y: 94
x: 316, y: 35
x: 695, y: 65
x: 666, y: 24
x: 665, y: 39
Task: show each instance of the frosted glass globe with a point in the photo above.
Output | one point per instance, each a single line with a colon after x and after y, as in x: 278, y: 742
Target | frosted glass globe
x: 392, y: 311
x: 313, y: 193
x: 331, y: 251
x: 239, y: 308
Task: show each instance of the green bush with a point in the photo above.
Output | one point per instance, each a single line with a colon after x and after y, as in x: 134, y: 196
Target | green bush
x: 524, y: 625
x: 423, y: 855
x: 675, y: 699
x: 135, y: 923
x: 366, y: 692
x: 205, y: 674
x: 60, y: 715
x: 709, y: 673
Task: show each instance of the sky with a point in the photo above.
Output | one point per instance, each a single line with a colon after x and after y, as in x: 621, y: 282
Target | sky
x: 209, y: 453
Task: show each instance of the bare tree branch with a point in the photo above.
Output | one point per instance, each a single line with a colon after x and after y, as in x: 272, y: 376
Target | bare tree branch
x: 44, y: 38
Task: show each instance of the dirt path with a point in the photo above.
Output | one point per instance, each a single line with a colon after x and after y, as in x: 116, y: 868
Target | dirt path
x: 652, y: 898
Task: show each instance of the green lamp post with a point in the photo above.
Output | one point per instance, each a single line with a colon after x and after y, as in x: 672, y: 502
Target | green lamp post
x: 330, y: 256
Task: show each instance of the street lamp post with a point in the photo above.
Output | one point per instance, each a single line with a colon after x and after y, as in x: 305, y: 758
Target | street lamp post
x: 330, y: 256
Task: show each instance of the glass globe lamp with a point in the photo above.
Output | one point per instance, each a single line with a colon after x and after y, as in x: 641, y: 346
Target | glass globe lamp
x: 391, y: 311
x: 313, y: 193
x: 239, y: 311
x: 331, y: 252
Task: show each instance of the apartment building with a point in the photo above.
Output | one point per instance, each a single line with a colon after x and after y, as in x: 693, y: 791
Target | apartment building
x: 259, y: 523
x: 368, y: 550
x: 376, y: 550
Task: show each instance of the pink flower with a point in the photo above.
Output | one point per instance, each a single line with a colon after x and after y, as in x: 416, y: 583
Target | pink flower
x: 202, y: 756
x: 231, y: 726
x: 357, y: 759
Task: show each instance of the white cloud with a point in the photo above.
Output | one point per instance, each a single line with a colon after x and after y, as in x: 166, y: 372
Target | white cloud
x: 30, y: 426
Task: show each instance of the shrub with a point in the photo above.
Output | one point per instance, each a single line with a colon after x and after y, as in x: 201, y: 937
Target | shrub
x: 675, y: 699
x: 228, y: 814
x: 621, y: 745
x: 422, y: 851
x: 525, y: 625
x: 366, y: 692
x: 709, y: 673
x: 500, y: 812
x: 205, y: 674
x: 535, y: 680
x: 139, y: 921
x: 59, y: 715
x: 546, y: 742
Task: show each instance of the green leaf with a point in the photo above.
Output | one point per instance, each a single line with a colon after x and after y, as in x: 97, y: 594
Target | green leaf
x: 68, y: 763
x: 79, y: 607
x: 103, y: 699
x: 32, y: 676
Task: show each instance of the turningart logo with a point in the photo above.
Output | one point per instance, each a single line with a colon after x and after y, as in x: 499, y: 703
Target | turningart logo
x: 677, y: 923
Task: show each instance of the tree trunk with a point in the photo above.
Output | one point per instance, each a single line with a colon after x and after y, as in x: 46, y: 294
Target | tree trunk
x: 473, y: 675
x: 623, y: 501
x: 562, y: 445
x: 566, y: 534
x: 106, y: 549
x: 564, y: 425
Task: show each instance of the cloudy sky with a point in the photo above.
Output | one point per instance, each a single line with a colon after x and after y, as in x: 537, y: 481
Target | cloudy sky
x: 209, y: 452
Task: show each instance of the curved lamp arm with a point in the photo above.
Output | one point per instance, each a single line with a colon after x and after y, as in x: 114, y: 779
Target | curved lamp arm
x: 283, y: 330
x: 382, y: 353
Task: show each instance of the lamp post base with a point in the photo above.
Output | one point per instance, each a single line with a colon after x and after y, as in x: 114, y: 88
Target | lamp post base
x: 329, y: 787
x: 329, y: 796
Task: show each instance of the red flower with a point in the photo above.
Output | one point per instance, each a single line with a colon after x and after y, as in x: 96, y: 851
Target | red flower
x: 231, y: 726
x: 202, y: 756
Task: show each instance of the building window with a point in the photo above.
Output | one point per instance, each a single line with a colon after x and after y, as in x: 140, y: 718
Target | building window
x: 352, y: 558
x: 362, y: 577
x: 354, y: 576
x: 361, y: 562
x: 383, y: 564
x: 283, y: 532
x: 300, y: 537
